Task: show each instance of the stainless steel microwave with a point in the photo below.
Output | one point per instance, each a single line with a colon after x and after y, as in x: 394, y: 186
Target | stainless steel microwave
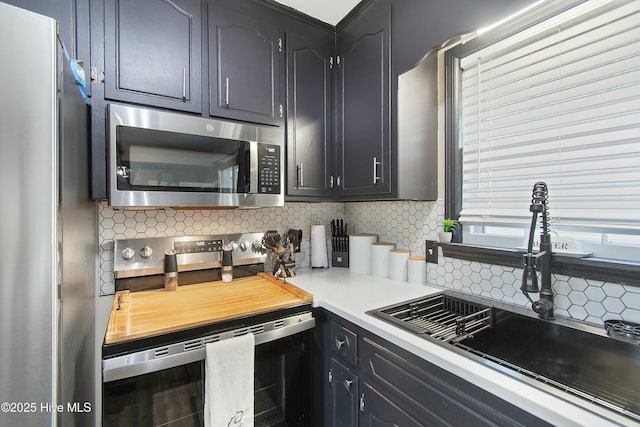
x: 159, y: 159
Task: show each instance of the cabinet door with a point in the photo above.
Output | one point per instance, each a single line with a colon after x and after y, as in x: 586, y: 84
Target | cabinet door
x: 344, y: 396
x: 379, y: 411
x: 364, y: 136
x: 244, y: 67
x: 309, y: 124
x: 152, y: 53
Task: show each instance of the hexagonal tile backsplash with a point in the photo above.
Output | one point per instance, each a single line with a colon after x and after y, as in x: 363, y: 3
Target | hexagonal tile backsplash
x: 410, y: 223
x: 406, y: 223
x: 125, y: 224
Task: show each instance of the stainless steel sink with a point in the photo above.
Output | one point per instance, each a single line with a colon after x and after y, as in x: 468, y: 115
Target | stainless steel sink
x: 589, y: 365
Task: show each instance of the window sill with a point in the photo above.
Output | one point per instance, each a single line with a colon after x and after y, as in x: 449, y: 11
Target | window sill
x: 606, y: 270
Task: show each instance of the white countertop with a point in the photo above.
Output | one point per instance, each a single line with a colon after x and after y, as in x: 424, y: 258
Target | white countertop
x: 350, y: 295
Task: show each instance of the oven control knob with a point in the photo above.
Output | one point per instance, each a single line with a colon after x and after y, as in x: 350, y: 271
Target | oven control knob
x: 234, y: 246
x: 244, y: 246
x: 128, y: 253
x: 146, y: 252
x: 257, y: 245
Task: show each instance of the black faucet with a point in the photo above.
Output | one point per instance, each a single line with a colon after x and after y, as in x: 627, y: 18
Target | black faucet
x: 544, y: 306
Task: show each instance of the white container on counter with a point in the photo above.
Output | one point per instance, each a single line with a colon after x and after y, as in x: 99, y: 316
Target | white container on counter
x: 398, y: 264
x: 417, y: 270
x: 319, y: 255
x: 360, y: 252
x: 380, y: 258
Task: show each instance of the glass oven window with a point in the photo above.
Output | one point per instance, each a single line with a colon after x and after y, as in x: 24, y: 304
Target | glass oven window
x: 151, y: 160
x: 171, y: 397
x: 175, y: 397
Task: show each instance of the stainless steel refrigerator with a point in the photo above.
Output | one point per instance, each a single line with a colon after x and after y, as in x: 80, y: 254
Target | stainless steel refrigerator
x: 48, y: 234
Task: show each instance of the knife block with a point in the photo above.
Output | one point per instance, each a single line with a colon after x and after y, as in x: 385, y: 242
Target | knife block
x: 340, y: 259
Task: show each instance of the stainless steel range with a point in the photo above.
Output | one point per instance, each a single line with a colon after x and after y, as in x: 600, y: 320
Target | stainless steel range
x: 156, y: 378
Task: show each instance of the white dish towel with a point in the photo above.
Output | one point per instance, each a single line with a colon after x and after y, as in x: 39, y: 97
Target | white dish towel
x: 229, y: 382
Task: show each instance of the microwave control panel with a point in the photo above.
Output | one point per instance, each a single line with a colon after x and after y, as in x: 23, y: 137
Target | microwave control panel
x: 268, y: 169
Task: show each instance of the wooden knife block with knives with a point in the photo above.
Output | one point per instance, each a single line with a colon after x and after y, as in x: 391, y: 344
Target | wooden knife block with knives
x: 339, y: 243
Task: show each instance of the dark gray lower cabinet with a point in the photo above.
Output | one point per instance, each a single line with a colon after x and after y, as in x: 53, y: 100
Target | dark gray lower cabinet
x: 344, y: 395
x: 386, y: 385
x: 378, y: 410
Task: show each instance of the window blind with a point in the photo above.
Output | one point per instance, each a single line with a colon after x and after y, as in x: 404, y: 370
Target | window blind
x: 559, y: 104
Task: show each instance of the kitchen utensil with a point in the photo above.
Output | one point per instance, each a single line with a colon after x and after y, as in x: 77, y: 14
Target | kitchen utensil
x: 295, y: 237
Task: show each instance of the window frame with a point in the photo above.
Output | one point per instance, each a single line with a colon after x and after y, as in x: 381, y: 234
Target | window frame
x: 607, y: 270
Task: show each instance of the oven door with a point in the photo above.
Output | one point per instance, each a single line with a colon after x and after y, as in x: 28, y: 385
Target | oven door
x: 174, y: 396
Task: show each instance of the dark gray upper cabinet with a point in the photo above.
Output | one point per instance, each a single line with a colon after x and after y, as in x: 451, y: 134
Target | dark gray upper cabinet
x: 363, y: 105
x: 309, y: 115
x: 245, y: 53
x: 152, y: 53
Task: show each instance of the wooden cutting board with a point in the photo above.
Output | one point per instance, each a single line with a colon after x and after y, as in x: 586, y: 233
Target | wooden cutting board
x: 147, y: 313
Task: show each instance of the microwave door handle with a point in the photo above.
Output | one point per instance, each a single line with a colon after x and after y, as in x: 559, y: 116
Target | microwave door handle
x: 253, y: 167
x: 245, y: 171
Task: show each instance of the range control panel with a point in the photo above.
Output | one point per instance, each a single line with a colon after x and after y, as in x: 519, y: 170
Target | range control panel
x: 145, y: 257
x: 198, y: 246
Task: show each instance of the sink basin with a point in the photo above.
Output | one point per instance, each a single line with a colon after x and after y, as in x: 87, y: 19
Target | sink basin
x: 584, y: 363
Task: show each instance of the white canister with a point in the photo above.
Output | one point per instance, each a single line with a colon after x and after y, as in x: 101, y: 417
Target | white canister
x: 417, y: 268
x: 380, y: 258
x: 360, y: 252
x: 398, y: 260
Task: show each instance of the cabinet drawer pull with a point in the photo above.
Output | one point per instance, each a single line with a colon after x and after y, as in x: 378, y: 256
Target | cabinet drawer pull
x: 375, y: 170
x: 226, y: 92
x: 340, y: 343
x: 347, y: 383
x: 184, y: 83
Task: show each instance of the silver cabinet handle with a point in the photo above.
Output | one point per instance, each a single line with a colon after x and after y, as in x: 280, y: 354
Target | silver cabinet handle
x: 362, y: 403
x: 347, y: 383
x: 331, y: 181
x: 375, y: 170
x: 339, y: 343
x: 184, y: 83
x: 226, y: 92
x: 301, y: 174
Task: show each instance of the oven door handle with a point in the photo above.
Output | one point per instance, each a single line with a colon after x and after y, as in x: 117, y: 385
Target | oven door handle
x: 145, y: 362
